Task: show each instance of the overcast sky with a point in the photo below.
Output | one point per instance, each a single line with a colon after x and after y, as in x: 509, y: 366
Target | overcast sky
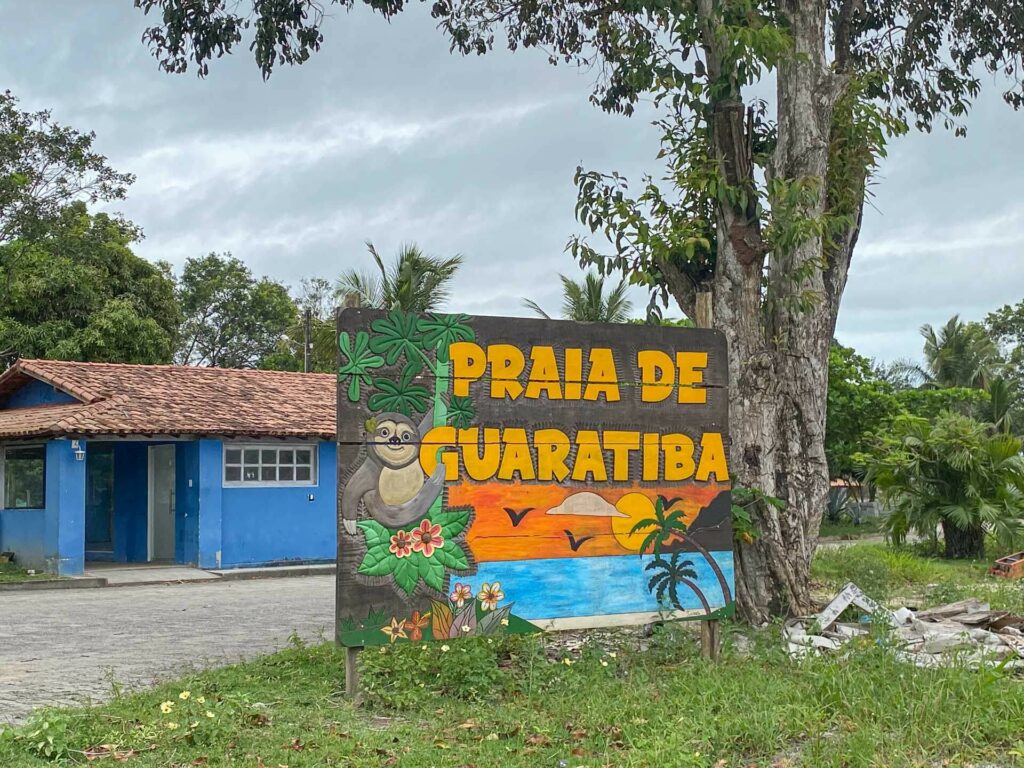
x: 386, y: 136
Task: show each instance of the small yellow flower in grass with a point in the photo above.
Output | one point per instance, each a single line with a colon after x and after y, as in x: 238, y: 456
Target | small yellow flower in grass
x: 194, y: 725
x: 567, y: 662
x: 166, y: 707
x: 210, y: 714
x: 604, y: 663
x: 201, y: 699
x: 504, y: 622
x: 172, y: 726
x: 185, y: 695
x: 445, y: 649
x: 612, y: 654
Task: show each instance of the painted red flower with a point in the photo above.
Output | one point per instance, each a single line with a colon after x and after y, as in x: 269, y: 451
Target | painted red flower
x: 401, y: 544
x: 427, y: 538
x: 417, y: 624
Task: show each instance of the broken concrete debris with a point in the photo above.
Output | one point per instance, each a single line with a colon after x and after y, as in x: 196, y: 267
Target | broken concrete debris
x: 966, y: 632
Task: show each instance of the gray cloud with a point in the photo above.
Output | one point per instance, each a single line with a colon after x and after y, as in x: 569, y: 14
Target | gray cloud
x: 385, y: 135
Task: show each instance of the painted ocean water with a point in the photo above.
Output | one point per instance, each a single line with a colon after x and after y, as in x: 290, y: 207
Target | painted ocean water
x: 593, y: 586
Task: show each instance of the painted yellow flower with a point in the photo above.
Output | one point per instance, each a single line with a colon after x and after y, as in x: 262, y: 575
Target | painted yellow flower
x: 166, y: 707
x: 185, y: 695
x: 490, y: 595
x: 394, y: 630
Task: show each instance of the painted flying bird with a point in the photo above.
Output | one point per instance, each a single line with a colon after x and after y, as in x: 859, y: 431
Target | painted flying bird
x: 575, y: 543
x: 517, y: 517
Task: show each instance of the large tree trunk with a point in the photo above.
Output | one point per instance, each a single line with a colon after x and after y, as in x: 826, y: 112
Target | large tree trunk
x: 964, y: 544
x: 778, y: 341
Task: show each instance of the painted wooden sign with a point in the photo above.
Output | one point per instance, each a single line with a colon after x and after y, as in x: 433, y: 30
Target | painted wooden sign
x: 510, y: 475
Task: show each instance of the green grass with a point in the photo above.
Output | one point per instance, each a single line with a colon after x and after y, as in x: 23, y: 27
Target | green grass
x: 662, y: 705
x: 903, y: 576
x: 622, y: 700
x: 870, y: 526
x: 10, y: 572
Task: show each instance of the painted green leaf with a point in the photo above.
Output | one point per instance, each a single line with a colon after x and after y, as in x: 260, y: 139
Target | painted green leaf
x: 490, y: 623
x: 461, y: 411
x: 401, y: 396
x: 396, y: 335
x: 406, y: 575
x: 374, y: 564
x: 431, y: 570
x: 357, y: 362
x: 439, y: 331
x: 452, y: 557
x: 452, y: 522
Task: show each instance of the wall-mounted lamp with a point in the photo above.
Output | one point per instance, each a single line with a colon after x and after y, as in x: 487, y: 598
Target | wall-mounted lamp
x: 76, y: 446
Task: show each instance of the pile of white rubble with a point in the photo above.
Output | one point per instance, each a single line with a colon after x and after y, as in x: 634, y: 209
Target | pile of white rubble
x: 966, y: 632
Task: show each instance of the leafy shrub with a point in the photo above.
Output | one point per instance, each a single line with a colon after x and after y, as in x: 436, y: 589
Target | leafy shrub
x: 954, y: 472
x: 400, y: 676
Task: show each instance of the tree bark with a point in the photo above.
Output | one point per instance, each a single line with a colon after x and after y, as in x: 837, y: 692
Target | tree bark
x: 964, y: 544
x: 779, y: 340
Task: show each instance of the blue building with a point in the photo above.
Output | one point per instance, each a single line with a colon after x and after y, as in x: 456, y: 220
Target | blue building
x: 211, y: 467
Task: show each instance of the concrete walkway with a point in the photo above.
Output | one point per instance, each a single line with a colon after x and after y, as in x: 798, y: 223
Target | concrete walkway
x: 66, y: 646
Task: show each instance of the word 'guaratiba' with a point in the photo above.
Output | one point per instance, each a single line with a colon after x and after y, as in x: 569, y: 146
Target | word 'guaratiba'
x: 511, y: 453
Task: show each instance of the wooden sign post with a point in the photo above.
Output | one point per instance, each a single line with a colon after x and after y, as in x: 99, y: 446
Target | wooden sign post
x: 503, y: 475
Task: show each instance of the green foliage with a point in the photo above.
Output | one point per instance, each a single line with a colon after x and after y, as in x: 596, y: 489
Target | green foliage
x: 403, y: 676
x: 79, y: 293
x: 231, y: 319
x: 952, y: 472
x: 859, y: 403
x: 44, y: 168
x: 958, y: 355
x: 414, y: 282
x: 586, y: 301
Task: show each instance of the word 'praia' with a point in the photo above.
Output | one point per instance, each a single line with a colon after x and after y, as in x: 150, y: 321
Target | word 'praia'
x: 659, y: 373
x: 510, y: 453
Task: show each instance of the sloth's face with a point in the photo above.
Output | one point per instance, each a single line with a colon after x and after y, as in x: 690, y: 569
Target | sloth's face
x: 395, y: 443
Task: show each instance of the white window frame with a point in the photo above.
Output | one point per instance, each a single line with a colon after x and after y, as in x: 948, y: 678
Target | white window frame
x: 3, y: 475
x: 314, y: 474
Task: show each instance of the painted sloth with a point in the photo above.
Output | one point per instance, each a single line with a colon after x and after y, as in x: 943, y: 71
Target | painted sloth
x: 390, y: 483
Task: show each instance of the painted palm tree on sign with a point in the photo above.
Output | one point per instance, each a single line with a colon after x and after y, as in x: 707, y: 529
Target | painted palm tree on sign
x: 586, y: 301
x: 413, y: 282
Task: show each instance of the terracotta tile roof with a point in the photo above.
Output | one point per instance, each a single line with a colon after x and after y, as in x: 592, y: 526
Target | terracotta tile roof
x: 121, y: 399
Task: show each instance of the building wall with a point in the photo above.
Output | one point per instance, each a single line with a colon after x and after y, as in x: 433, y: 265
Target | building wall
x: 52, y: 538
x: 268, y: 525
x: 36, y: 393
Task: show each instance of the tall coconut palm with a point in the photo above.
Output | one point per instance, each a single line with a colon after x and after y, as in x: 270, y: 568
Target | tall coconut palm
x: 586, y: 301
x: 958, y: 354
x: 414, y: 282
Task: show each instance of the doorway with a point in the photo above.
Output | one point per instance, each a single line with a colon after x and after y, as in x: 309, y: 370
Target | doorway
x: 99, y: 501
x: 161, y: 503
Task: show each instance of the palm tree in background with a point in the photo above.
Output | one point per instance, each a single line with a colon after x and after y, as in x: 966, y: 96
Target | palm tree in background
x: 414, y: 282
x: 586, y: 301
x: 958, y: 354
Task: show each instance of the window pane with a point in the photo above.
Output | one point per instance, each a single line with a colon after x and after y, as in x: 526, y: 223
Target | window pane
x: 233, y: 456
x: 233, y: 474
x: 251, y: 474
x: 286, y: 474
x: 252, y: 456
x: 286, y: 457
x: 303, y: 456
x: 302, y: 474
x: 269, y: 474
x: 270, y: 456
x: 24, y: 478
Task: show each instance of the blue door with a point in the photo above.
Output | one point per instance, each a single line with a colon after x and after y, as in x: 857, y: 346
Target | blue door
x: 99, y: 501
